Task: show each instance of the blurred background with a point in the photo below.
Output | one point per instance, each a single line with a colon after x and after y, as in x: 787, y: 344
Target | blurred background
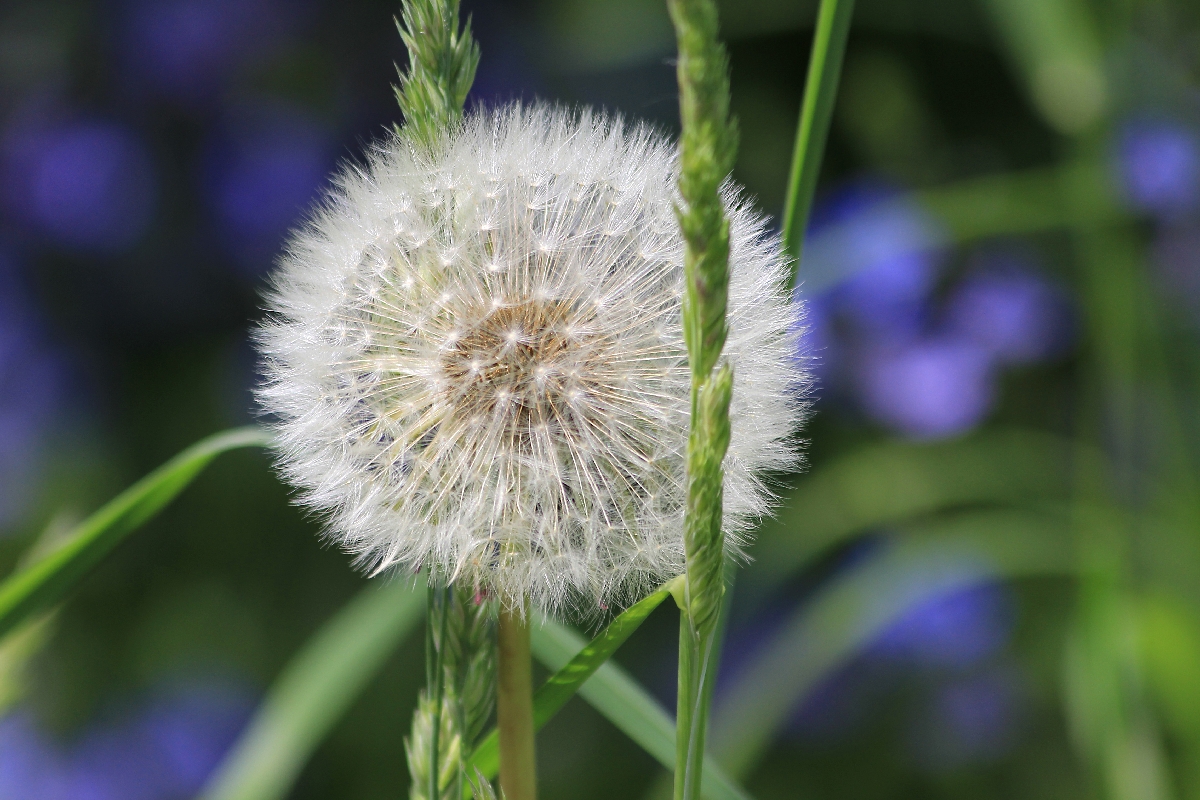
x: 987, y: 583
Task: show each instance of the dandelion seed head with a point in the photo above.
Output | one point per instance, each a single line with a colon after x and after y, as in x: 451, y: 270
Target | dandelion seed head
x: 475, y: 359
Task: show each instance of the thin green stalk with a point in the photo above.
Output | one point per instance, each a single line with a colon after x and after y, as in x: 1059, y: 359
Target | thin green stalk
x: 454, y: 706
x: 435, y: 676
x: 708, y: 145
x: 460, y: 652
x: 816, y: 111
x: 514, y: 706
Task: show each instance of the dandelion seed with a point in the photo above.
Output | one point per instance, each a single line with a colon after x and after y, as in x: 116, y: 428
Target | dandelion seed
x: 529, y: 435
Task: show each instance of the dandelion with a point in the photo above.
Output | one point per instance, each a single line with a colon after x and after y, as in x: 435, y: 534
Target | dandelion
x: 476, y: 364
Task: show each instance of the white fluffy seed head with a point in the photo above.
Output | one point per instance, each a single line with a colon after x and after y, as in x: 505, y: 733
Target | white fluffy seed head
x: 475, y: 359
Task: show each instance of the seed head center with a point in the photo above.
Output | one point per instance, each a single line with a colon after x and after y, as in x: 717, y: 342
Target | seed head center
x: 522, y: 361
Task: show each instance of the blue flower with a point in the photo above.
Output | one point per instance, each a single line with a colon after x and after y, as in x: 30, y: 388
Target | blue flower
x: 165, y: 749
x: 86, y: 185
x: 878, y: 255
x: 31, y: 391
x: 934, y: 387
x: 1011, y: 311
x: 30, y: 766
x: 959, y: 629
x: 968, y: 720
x: 260, y: 178
x: 187, y: 50
x: 1159, y: 165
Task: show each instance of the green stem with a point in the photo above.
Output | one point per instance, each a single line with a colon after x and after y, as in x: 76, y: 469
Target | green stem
x: 696, y: 672
x: 435, y: 678
x: 816, y: 111
x: 514, y: 707
x: 707, y: 149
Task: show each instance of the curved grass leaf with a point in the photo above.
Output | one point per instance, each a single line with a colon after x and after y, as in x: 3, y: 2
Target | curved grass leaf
x: 314, y: 691
x: 1019, y: 203
x: 564, y: 683
x: 890, y: 483
x: 1169, y: 645
x: 816, y: 113
x: 823, y: 634
x: 620, y: 698
x: 48, y: 579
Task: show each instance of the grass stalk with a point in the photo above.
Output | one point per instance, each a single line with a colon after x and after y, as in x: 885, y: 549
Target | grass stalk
x: 816, y: 112
x: 708, y: 145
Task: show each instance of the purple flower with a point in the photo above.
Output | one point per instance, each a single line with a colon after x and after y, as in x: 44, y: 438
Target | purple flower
x: 1159, y: 165
x: 839, y: 705
x: 87, y: 185
x: 31, y: 391
x: 960, y: 629
x: 888, y: 299
x: 261, y: 177
x: 30, y: 765
x: 1177, y: 263
x: 879, y: 255
x: 969, y: 720
x: 164, y: 750
x: 186, y: 50
x: 1010, y: 311
x: 192, y: 729
x: 928, y: 389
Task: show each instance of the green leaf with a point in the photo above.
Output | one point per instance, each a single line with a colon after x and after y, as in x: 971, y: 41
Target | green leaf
x: 1169, y: 640
x: 890, y: 483
x: 313, y: 692
x: 562, y: 685
x: 823, y: 634
x: 1030, y: 201
x: 1109, y: 721
x: 816, y: 112
x: 47, y: 580
x: 1057, y: 45
x: 617, y: 696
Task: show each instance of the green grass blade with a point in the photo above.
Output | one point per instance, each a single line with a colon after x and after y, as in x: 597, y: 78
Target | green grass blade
x: 314, y: 691
x: 816, y: 111
x: 823, y: 634
x: 890, y: 483
x: 47, y: 580
x: 1169, y: 645
x: 1079, y: 194
x: 564, y: 683
x: 617, y: 696
x: 1057, y: 46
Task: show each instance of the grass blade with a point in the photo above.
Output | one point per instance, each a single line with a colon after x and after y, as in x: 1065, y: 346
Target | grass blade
x: 816, y: 111
x: 893, y: 482
x: 1030, y: 201
x: 617, y: 696
x: 825, y: 633
x: 47, y: 580
x: 313, y: 692
x: 564, y: 683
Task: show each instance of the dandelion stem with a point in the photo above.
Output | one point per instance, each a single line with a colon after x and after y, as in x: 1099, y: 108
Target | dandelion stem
x: 514, y: 707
